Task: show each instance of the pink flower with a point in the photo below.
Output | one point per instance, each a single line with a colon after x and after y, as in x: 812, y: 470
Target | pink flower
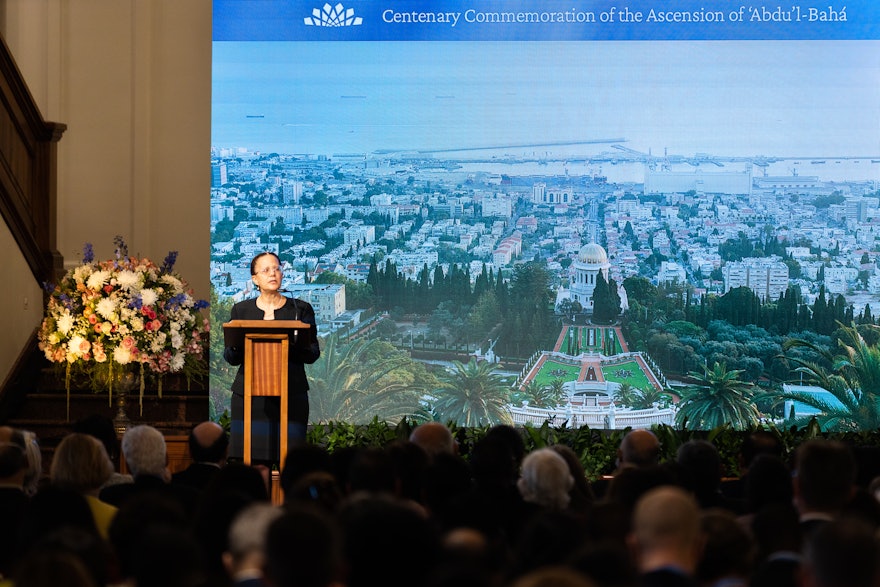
x: 128, y: 343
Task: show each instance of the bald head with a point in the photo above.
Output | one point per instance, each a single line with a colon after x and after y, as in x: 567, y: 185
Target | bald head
x: 434, y: 438
x: 639, y: 448
x: 208, y: 443
x: 666, y: 516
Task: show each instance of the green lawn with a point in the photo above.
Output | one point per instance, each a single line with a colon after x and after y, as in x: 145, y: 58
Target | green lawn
x: 551, y: 370
x: 628, y: 372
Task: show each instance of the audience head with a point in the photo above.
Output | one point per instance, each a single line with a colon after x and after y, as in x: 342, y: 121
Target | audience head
x: 434, y: 438
x: 825, y: 473
x: 842, y: 553
x: 144, y: 450
x: 304, y: 549
x: 301, y: 460
x: 666, y: 530
x: 702, y: 466
x: 581, y: 492
x: 247, y: 538
x: 81, y: 464
x: 319, y: 488
x: 512, y: 438
x: 557, y: 576
x: 546, y: 479
x: 768, y: 481
x: 208, y: 443
x: 13, y: 456
x: 372, y: 471
x: 382, y: 533
x: 759, y: 442
x: 639, y: 448
x: 728, y: 553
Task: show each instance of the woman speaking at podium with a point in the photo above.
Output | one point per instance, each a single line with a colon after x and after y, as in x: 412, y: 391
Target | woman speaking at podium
x: 265, y: 416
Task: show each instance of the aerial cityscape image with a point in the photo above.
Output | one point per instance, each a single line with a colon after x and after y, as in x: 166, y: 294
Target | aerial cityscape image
x: 612, y: 233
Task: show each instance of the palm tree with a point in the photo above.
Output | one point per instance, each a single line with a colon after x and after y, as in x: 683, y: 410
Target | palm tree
x: 641, y: 399
x: 472, y: 395
x: 625, y: 395
x: 535, y: 394
x: 358, y: 381
x: 719, y: 398
x: 853, y: 380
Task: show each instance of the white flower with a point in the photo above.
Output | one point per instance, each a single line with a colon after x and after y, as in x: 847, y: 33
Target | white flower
x: 65, y: 323
x: 177, y: 340
x: 137, y: 323
x: 149, y: 296
x: 76, y: 344
x: 97, y: 279
x: 177, y: 361
x: 127, y: 279
x: 121, y: 355
x: 106, y: 308
x: 81, y: 273
x: 173, y: 281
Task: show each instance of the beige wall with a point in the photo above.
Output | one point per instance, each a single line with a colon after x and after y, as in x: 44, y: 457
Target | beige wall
x: 131, y: 79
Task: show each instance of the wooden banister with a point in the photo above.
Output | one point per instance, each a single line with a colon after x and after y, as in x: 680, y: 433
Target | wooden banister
x: 28, y: 175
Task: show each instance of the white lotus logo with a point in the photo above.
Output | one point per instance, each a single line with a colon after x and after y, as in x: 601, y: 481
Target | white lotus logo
x: 333, y: 16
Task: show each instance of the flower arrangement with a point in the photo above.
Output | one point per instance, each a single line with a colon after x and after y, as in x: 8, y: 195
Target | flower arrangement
x: 106, y: 316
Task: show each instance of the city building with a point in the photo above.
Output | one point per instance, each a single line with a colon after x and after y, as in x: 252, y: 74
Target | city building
x: 767, y: 278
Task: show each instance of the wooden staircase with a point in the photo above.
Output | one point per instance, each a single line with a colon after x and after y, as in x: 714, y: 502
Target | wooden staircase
x: 38, y: 401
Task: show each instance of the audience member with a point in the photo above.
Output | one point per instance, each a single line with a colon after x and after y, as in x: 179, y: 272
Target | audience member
x: 545, y: 479
x: 245, y: 558
x: 666, y: 537
x: 380, y: 533
x: 842, y: 553
x: 434, y: 438
x: 102, y: 428
x: 81, y: 464
x: 302, y: 459
x: 639, y: 449
x: 53, y: 568
x: 13, y: 499
x: 145, y: 455
x: 557, y: 576
x: 132, y: 545
x: 701, y: 464
x: 581, y: 493
x: 319, y: 489
x: 767, y: 482
x: 759, y: 442
x: 824, y: 481
x: 234, y: 488
x: 728, y: 554
x: 208, y: 448
x: 777, y: 535
x: 304, y: 549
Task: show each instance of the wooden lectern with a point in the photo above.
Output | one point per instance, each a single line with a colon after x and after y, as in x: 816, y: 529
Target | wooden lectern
x: 266, y: 345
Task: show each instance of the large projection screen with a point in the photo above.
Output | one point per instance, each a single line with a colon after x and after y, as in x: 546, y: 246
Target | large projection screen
x: 526, y: 212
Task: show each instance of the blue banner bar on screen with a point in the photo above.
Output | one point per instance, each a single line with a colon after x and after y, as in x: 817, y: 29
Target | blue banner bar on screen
x: 520, y: 20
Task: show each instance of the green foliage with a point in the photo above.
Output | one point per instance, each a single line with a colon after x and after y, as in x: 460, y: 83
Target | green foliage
x: 597, y: 449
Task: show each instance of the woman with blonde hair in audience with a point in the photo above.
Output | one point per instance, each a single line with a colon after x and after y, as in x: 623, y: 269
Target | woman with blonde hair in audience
x: 81, y: 464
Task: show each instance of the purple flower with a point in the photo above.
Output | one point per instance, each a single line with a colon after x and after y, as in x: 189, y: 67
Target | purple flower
x: 48, y: 286
x: 169, y: 262
x: 88, y: 253
x: 201, y: 304
x: 121, y: 247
